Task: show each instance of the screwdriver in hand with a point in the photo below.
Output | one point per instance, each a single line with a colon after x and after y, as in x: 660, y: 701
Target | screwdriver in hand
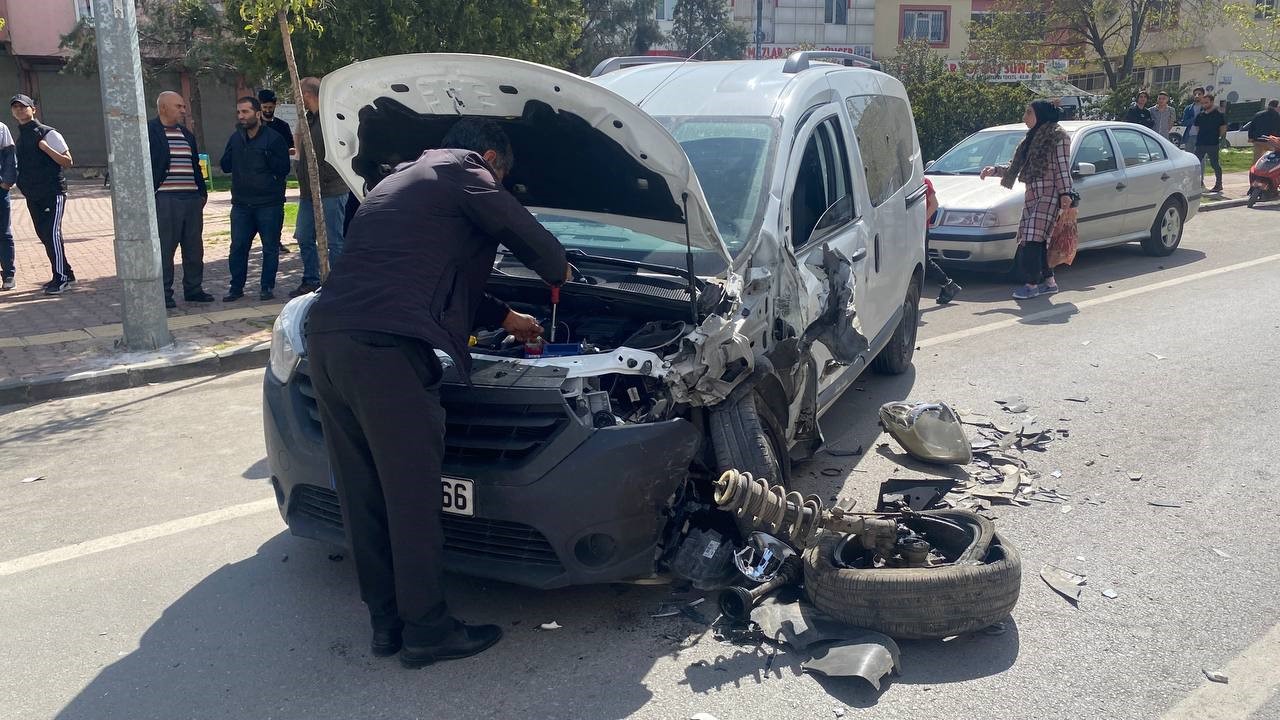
x: 555, y: 305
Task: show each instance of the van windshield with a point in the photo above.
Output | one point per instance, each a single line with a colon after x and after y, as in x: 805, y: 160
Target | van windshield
x: 732, y: 157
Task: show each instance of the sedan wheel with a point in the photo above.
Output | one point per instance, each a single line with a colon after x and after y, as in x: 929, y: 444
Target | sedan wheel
x: 1166, y: 231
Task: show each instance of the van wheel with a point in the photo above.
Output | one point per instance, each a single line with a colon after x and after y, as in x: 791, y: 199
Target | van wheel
x: 896, y: 356
x: 747, y: 436
x: 1166, y: 231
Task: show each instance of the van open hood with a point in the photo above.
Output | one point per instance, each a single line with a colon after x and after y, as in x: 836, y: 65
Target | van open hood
x: 579, y: 148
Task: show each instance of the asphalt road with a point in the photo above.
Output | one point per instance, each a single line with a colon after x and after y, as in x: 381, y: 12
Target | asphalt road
x: 148, y: 575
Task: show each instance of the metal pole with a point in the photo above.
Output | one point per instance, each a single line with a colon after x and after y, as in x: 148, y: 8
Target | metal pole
x: 133, y: 204
x: 759, y: 27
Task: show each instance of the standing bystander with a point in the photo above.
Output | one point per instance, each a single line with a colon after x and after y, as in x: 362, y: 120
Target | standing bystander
x: 947, y: 288
x: 1262, y: 126
x: 42, y: 154
x: 8, y: 176
x: 1211, y: 127
x: 1189, y: 116
x: 333, y: 197
x: 267, y: 99
x: 258, y: 160
x: 1162, y: 115
x: 1138, y: 114
x: 180, y: 197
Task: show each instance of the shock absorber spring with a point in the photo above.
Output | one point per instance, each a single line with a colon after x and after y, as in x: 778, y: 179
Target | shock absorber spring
x: 769, y: 507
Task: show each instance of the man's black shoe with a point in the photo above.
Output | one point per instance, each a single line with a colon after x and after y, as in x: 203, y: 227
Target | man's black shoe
x: 304, y: 289
x: 169, y: 302
x: 948, y: 292
x: 385, y: 643
x: 200, y: 297
x: 465, y: 641
x: 266, y: 295
x: 233, y: 295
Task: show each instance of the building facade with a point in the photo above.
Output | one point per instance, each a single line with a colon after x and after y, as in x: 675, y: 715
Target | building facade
x: 31, y: 62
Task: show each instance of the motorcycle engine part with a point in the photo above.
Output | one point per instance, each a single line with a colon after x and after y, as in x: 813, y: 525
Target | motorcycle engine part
x: 931, y: 432
x: 705, y: 558
x: 798, y: 519
x: 761, y: 558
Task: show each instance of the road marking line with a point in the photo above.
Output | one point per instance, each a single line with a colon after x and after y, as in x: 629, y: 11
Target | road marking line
x: 1254, y: 676
x: 132, y: 537
x: 1066, y: 309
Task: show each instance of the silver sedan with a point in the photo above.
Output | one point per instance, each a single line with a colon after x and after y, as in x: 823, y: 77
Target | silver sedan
x: 1134, y: 186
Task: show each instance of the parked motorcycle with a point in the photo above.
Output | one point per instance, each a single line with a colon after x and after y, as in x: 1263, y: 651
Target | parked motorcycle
x: 1264, y: 179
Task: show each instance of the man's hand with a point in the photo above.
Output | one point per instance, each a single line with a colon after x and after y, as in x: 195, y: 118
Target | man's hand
x: 568, y: 272
x: 523, y: 327
x: 988, y: 171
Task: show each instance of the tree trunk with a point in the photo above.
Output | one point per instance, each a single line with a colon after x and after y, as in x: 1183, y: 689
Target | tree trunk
x: 304, y: 140
x: 196, y: 102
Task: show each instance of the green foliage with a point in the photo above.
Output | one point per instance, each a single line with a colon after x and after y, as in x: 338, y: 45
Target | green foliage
x: 173, y: 36
x: 1259, y: 29
x: 339, y: 33
x: 950, y: 106
x: 616, y: 27
x: 708, y: 22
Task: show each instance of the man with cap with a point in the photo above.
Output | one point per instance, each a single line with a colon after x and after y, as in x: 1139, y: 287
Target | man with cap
x: 267, y: 98
x: 42, y: 154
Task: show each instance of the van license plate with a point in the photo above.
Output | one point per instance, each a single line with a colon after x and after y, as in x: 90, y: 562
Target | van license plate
x: 458, y: 496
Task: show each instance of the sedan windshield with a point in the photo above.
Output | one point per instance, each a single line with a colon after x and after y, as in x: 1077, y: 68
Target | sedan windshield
x: 990, y: 147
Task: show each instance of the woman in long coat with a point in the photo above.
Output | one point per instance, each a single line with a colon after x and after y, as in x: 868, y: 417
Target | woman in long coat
x: 1042, y: 162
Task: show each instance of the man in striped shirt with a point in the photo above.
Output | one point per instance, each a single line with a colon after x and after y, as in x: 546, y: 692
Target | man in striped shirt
x: 180, y: 197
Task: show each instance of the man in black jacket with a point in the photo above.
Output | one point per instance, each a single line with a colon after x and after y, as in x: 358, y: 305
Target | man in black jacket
x: 258, y: 160
x: 267, y: 100
x: 42, y: 154
x: 181, y: 194
x: 411, y: 282
x: 1138, y: 114
x: 1262, y: 126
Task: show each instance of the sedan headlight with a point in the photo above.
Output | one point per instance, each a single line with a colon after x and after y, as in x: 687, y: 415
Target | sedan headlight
x: 969, y: 218
x: 287, y: 344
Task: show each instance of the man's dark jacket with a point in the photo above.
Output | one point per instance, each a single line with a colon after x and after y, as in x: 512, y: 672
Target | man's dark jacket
x: 258, y: 167
x: 418, y: 254
x: 1263, y: 124
x: 331, y: 183
x: 160, y: 154
x: 39, y: 176
x: 1140, y: 116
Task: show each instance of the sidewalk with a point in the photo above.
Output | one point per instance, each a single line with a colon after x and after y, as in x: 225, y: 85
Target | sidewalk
x: 43, y: 339
x: 1235, y: 190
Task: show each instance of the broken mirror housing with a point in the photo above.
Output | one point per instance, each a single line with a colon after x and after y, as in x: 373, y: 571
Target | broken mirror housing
x: 931, y: 432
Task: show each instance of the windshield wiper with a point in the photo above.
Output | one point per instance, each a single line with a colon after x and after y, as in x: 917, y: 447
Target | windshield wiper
x: 939, y: 172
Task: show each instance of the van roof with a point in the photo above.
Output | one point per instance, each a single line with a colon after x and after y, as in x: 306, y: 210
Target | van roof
x: 729, y: 88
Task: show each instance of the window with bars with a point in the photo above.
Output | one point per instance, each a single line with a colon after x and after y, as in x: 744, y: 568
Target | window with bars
x: 1090, y: 82
x: 1264, y: 8
x: 837, y: 12
x: 925, y: 24
x: 1166, y: 75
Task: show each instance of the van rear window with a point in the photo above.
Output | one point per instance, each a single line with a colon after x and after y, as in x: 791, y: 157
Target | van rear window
x: 886, y: 139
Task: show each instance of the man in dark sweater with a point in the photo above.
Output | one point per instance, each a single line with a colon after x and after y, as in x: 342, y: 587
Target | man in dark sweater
x: 180, y: 197
x: 1138, y: 114
x: 333, y: 197
x: 1262, y: 126
x: 1211, y: 127
x: 267, y: 100
x: 411, y: 282
x: 42, y: 154
x: 258, y: 160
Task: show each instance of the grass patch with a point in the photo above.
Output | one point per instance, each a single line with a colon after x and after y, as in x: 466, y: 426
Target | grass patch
x: 223, y: 182
x: 1235, y: 160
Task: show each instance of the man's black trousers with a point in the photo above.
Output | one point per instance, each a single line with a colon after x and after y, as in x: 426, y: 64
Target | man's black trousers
x: 46, y: 216
x: 180, y: 220
x: 379, y: 400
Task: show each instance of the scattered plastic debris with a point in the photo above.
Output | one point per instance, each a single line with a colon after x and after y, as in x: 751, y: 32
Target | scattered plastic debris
x: 1056, y: 474
x: 838, y: 711
x: 1064, y: 582
x: 831, y: 472
x: 1078, y: 398
x: 1135, y: 476
x: 872, y: 657
x: 553, y: 625
x: 1164, y: 503
x: 1017, y: 408
x: 702, y: 716
x: 1220, y: 554
x: 1110, y: 594
x: 1066, y: 509
x: 1089, y: 463
x: 36, y: 478
x: 1216, y: 676
x: 1156, y: 355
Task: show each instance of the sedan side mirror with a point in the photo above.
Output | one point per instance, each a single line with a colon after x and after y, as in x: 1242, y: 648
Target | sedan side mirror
x: 929, y: 164
x: 1085, y: 169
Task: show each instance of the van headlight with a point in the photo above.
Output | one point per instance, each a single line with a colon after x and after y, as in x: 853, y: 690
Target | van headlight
x: 969, y: 218
x: 287, y: 344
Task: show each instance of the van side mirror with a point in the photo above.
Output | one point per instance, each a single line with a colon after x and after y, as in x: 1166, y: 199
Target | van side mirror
x: 1085, y: 169
x: 929, y: 164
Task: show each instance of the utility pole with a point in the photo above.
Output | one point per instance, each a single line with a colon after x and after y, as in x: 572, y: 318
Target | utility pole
x: 133, y: 204
x: 759, y: 27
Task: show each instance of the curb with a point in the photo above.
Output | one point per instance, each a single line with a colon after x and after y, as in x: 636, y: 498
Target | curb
x: 63, y: 385
x: 1223, y: 204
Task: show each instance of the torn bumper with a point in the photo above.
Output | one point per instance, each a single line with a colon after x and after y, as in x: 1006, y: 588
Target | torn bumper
x: 557, y: 501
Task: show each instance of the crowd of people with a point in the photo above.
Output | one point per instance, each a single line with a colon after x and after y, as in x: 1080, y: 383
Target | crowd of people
x: 258, y: 156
